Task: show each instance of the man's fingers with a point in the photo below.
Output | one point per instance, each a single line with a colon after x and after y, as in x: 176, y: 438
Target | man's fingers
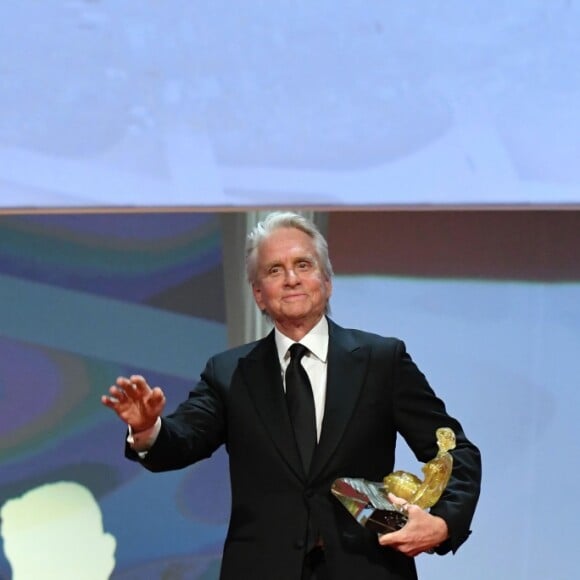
x: 116, y: 392
x: 109, y: 401
x: 122, y: 382
x: 115, y: 396
x: 135, y: 387
x: 390, y: 539
x: 397, y: 501
x: 157, y: 396
x: 138, y: 380
x: 399, y: 541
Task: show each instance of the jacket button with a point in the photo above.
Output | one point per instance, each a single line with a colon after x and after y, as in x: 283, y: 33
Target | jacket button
x: 309, y: 493
x: 299, y: 544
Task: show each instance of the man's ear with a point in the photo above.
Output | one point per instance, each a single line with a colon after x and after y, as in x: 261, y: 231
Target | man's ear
x: 328, y: 283
x: 257, y: 292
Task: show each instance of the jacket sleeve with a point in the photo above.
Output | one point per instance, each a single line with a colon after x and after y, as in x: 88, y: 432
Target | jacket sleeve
x: 418, y: 413
x: 193, y: 431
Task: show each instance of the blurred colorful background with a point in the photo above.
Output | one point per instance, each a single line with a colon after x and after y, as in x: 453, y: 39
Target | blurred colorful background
x: 84, y: 299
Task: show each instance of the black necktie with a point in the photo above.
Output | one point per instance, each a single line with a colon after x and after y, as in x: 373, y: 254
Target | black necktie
x: 300, y: 403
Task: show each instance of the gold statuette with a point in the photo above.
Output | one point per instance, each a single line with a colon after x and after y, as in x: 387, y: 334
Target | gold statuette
x: 437, y: 472
x: 367, y: 501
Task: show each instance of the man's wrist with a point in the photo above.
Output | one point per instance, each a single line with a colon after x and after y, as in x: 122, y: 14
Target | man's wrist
x: 142, y: 441
x: 440, y: 533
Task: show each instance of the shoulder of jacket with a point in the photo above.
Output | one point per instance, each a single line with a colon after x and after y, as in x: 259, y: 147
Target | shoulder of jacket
x: 366, y: 337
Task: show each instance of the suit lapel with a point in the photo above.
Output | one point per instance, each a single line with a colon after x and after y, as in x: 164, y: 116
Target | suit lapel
x: 262, y: 375
x: 347, y: 361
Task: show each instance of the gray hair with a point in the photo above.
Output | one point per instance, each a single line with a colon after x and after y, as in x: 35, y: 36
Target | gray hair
x: 285, y: 219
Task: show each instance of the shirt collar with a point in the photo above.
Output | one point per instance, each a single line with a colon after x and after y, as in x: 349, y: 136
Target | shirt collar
x: 316, y: 341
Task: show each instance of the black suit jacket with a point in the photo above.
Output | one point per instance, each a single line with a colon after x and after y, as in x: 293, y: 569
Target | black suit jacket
x: 374, y: 390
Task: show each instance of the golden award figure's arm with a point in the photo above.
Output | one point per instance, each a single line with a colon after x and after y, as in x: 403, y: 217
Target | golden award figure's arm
x: 437, y: 473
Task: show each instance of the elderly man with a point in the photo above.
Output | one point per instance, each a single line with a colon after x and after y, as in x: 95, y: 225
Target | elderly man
x: 295, y: 418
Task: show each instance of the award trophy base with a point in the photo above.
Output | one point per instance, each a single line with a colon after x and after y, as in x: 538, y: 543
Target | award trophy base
x: 367, y: 502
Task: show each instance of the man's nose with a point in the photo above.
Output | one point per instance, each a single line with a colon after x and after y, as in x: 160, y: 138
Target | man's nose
x: 291, y: 277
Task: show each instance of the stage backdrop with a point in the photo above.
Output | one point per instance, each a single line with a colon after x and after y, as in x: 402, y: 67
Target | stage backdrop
x: 214, y: 103
x: 84, y: 299
x: 488, y: 304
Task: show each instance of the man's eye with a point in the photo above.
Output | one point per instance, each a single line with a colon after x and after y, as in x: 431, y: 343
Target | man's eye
x: 274, y: 270
x: 304, y: 265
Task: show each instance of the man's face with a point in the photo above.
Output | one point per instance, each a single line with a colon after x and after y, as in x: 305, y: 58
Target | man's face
x: 290, y: 285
